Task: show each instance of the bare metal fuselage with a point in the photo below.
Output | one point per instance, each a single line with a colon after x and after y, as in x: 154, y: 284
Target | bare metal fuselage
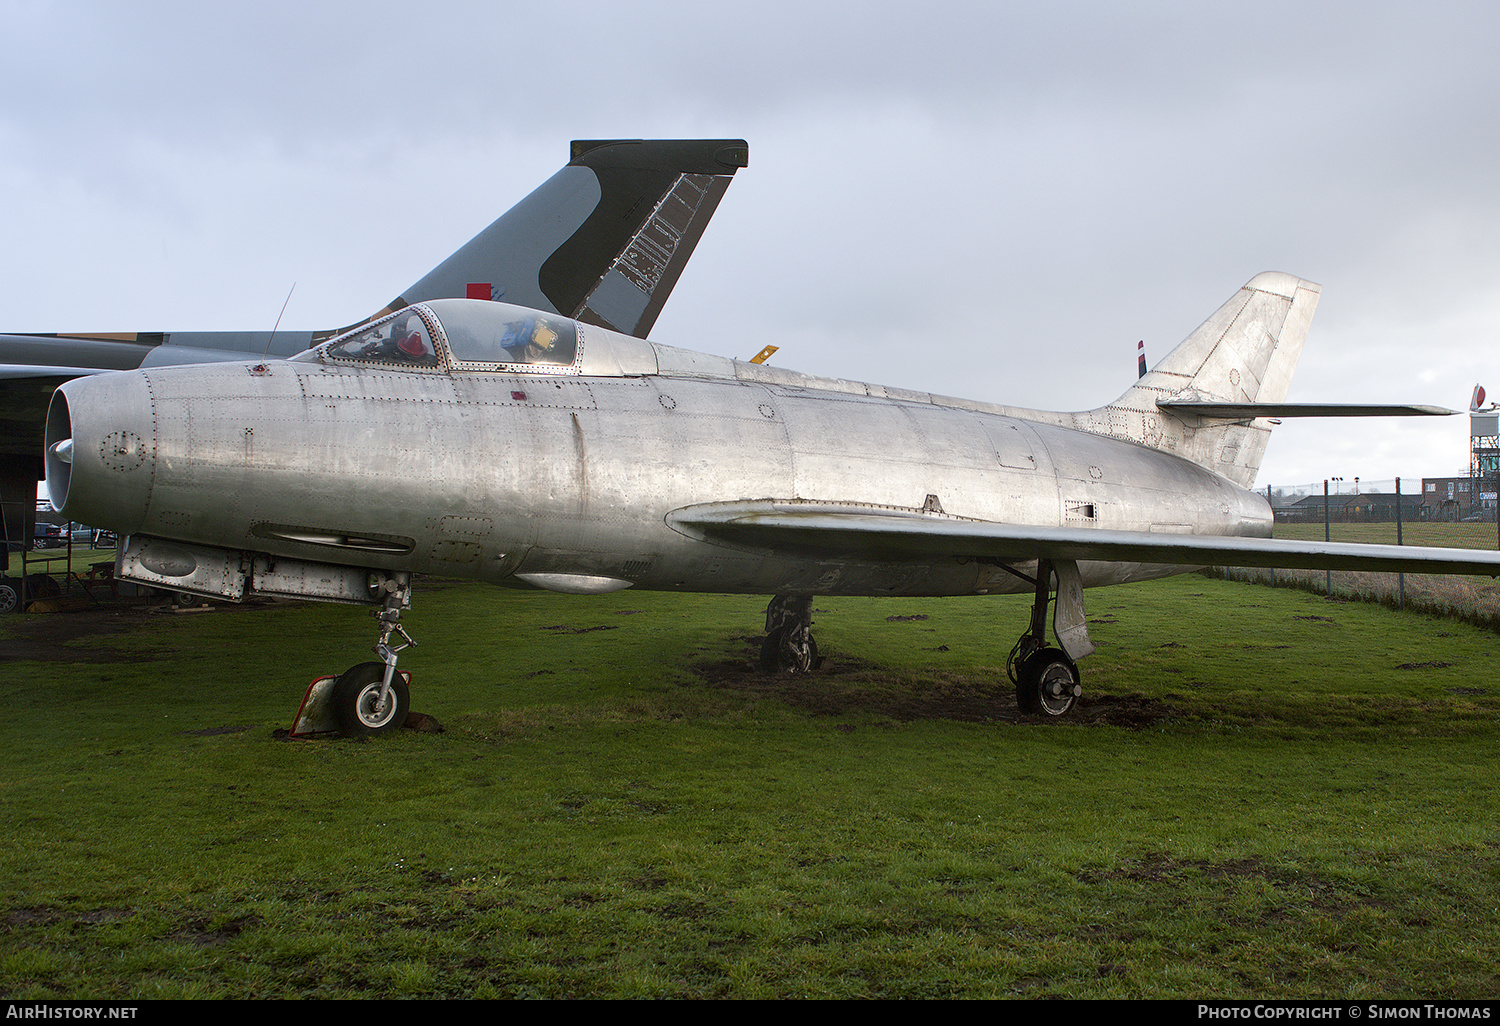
x: 570, y: 480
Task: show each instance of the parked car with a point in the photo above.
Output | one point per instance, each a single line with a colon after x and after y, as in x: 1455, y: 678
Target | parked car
x: 55, y: 536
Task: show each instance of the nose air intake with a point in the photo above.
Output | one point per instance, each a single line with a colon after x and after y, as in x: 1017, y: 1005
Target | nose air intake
x: 99, y: 450
x: 59, y: 450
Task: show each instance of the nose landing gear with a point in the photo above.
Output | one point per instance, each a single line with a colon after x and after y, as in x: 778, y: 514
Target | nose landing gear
x: 374, y: 697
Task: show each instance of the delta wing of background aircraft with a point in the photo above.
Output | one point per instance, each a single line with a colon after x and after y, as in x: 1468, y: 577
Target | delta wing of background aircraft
x: 604, y: 241
x: 507, y: 443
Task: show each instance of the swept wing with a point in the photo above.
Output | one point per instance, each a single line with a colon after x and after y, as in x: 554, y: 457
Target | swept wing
x: 838, y: 532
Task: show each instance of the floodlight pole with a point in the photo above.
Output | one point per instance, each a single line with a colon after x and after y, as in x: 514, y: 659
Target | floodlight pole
x: 1327, y: 536
x: 1400, y: 577
x: 1273, y: 529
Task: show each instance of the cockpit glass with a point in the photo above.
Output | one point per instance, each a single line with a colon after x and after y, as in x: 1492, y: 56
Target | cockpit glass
x: 465, y: 335
x: 522, y: 337
x: 404, y: 340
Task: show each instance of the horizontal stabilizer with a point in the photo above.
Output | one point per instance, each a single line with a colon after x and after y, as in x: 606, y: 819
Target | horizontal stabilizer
x: 869, y: 533
x: 1249, y: 411
x: 58, y: 375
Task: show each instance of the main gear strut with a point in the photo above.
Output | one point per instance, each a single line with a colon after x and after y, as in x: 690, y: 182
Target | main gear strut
x: 789, y: 646
x: 1046, y: 678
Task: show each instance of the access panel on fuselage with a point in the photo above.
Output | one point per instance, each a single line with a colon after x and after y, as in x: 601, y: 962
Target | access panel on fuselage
x: 673, y: 442
x: 848, y: 449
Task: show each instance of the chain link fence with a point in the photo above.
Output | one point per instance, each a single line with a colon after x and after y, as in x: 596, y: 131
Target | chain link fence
x: 1454, y: 512
x: 1356, y: 501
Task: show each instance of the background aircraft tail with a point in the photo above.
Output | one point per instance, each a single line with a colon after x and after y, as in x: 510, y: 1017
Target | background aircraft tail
x: 1245, y: 353
x: 603, y: 240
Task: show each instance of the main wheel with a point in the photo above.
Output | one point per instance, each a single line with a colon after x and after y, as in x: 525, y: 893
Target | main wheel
x: 1047, y: 683
x: 779, y: 653
x: 357, y: 705
x: 10, y: 595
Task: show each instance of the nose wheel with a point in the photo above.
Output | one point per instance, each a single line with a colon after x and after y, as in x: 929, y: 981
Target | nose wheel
x: 364, y: 705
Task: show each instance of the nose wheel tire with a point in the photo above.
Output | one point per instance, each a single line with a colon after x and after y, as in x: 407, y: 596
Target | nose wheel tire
x: 357, y: 705
x: 1047, y: 683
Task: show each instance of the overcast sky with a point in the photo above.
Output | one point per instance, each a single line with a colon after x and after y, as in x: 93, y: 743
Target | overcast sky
x: 979, y: 199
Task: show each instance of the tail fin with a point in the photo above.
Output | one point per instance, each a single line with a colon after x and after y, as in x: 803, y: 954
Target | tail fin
x: 603, y: 240
x: 1244, y: 353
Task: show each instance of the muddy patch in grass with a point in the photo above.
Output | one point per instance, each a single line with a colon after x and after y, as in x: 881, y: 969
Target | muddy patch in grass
x: 1179, y: 873
x: 44, y: 915
x: 85, y: 635
x: 80, y: 637
x: 843, y: 685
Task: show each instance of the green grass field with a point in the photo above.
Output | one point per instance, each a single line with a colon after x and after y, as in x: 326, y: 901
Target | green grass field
x: 1267, y: 794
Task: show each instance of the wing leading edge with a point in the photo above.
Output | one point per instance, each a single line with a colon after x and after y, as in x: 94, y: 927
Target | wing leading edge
x: 891, y: 534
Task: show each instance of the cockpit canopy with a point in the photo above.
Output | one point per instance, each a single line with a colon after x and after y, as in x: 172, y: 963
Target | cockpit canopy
x: 403, y: 338
x: 463, y: 334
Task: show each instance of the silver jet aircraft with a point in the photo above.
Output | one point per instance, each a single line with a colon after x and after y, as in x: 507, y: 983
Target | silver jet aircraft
x: 505, y: 443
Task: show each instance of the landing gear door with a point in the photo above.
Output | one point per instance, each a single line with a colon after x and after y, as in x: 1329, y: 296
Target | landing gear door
x: 1069, y: 621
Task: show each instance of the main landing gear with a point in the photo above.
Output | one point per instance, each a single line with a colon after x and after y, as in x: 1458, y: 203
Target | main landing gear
x: 789, y: 646
x: 1046, y: 678
x: 372, y: 698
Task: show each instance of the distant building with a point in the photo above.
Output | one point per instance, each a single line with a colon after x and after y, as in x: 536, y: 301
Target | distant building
x: 1382, y: 506
x: 1471, y: 496
x: 1367, y: 507
x: 1450, y: 498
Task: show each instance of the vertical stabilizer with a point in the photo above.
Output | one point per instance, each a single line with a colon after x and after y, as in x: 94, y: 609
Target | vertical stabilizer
x: 1245, y: 353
